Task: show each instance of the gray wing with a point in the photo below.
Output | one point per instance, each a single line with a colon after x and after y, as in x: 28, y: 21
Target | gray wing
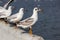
x: 27, y: 21
x: 13, y: 16
x: 2, y: 9
x: 2, y: 14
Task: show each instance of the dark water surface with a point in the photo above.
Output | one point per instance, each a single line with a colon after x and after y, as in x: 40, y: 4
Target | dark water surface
x: 48, y: 25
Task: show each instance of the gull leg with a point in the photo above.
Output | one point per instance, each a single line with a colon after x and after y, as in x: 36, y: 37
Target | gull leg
x: 30, y: 30
x: 16, y: 27
x: 5, y: 19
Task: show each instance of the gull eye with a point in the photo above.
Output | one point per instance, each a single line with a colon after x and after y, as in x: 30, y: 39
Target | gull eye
x: 35, y: 9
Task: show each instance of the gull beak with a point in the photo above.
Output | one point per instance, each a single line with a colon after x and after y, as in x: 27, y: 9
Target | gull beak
x: 40, y: 10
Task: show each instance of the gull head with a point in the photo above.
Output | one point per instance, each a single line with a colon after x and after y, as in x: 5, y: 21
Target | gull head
x: 21, y: 9
x: 36, y: 9
x: 11, y: 7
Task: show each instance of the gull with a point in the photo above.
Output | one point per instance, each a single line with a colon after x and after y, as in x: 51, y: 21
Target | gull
x: 5, y: 6
x: 6, y: 13
x: 28, y: 22
x: 3, y: 9
x: 16, y: 17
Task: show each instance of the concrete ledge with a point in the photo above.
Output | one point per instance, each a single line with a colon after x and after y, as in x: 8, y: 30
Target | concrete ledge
x: 9, y: 33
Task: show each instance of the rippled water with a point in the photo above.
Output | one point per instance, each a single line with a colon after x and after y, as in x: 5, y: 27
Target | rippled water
x: 48, y: 25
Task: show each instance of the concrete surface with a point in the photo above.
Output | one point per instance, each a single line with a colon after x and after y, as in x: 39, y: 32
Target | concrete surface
x: 10, y: 33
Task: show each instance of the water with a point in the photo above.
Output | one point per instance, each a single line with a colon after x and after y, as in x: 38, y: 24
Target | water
x: 48, y: 25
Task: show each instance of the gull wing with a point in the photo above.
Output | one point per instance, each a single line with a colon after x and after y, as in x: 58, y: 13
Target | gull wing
x: 12, y: 17
x: 27, y: 21
x: 2, y: 9
x: 2, y: 14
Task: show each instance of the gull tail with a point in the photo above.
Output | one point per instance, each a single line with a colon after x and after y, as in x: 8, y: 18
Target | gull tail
x: 5, y: 6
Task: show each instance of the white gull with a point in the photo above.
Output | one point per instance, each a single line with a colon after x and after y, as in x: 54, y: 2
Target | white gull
x: 5, y: 6
x: 16, y: 17
x: 5, y: 12
x: 28, y: 22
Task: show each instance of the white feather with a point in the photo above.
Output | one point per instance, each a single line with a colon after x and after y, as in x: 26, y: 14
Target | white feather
x: 16, y: 17
x: 30, y: 21
x: 6, y: 12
